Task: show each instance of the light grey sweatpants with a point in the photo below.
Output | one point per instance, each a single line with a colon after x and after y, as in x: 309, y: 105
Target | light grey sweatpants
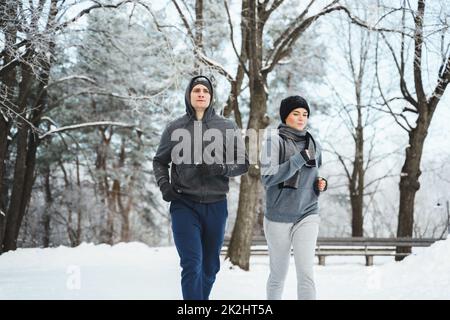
x: 280, y: 237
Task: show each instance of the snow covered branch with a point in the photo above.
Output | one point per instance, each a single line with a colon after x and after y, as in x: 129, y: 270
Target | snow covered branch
x: 272, y: 8
x: 443, y: 81
x: 84, y: 78
x: 232, y: 38
x: 90, y: 124
x: 200, y: 55
x: 288, y: 38
x: 97, y: 5
x: 366, y: 25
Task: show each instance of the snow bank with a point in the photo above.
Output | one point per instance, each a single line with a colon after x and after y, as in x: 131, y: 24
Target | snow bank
x: 136, y: 271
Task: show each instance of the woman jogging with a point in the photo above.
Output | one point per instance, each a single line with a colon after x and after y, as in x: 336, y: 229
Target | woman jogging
x: 289, y: 171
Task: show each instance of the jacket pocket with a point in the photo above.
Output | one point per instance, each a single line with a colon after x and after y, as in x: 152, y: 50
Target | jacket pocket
x: 273, y: 197
x: 187, y: 177
x: 277, y: 199
x: 309, y: 200
x: 316, y: 191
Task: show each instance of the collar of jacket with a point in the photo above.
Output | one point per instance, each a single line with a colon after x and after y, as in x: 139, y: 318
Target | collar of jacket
x: 290, y: 133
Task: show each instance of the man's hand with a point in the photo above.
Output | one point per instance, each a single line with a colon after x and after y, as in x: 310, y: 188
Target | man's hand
x: 168, y: 193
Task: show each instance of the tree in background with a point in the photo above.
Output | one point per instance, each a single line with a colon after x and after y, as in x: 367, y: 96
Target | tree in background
x: 408, y: 47
x: 353, y: 66
x: 31, y: 31
x: 27, y: 57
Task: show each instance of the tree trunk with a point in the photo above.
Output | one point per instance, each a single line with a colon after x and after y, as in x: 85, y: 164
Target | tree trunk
x: 73, y: 235
x: 125, y: 210
x: 409, y: 180
x: 4, y: 130
x: 119, y: 208
x: 232, y: 104
x: 356, y: 200
x: 79, y: 213
x: 24, y: 173
x: 357, y: 181
x: 249, y: 197
x: 107, y: 233
x: 199, y: 25
x: 48, y: 203
x: 24, y: 177
x: 125, y: 232
x: 17, y: 195
x: 7, y: 84
x: 241, y: 239
x: 31, y: 101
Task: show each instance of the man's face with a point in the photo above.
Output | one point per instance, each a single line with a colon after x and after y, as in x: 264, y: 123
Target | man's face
x: 200, y: 97
x: 297, y: 119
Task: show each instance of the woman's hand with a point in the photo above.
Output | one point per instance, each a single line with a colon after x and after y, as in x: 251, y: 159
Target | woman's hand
x: 322, y: 184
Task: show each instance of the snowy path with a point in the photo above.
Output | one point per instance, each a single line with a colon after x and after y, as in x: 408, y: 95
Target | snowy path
x: 135, y: 271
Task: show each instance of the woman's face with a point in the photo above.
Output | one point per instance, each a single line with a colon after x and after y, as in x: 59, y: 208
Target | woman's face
x: 200, y: 97
x: 297, y: 119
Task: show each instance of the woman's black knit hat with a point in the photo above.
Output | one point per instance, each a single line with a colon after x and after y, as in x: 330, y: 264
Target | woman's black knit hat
x: 290, y: 103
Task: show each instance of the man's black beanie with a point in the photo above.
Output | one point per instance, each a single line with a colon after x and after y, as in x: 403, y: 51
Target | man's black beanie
x: 290, y: 103
x: 201, y: 80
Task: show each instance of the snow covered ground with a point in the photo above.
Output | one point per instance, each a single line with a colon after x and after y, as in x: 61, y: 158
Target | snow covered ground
x: 136, y: 271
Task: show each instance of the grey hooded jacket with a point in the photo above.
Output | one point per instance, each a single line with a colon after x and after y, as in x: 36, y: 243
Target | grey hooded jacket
x: 186, y: 177
x: 288, y: 205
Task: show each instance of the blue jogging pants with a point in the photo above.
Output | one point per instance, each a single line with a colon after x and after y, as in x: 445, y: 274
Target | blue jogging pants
x: 198, y: 232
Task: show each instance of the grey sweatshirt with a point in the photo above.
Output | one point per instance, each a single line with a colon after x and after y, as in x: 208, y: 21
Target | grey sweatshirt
x: 287, y: 204
x: 186, y: 178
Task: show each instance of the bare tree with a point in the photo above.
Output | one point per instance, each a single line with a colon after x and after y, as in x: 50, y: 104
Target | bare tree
x: 29, y: 59
x: 420, y: 105
x: 357, y: 116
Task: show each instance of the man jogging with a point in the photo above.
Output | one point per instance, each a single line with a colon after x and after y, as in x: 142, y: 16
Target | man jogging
x: 198, y: 184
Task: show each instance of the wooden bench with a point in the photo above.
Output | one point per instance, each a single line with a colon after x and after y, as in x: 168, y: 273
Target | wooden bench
x: 357, y: 246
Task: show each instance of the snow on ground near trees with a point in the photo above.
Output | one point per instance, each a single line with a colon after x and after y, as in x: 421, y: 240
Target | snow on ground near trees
x: 136, y: 271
